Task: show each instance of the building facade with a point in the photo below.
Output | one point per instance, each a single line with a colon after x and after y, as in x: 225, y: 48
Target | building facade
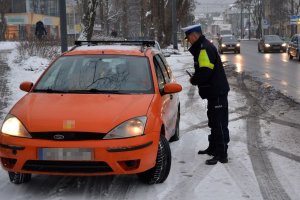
x: 23, y: 15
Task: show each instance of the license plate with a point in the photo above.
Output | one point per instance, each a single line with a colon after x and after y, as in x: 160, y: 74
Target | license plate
x: 276, y: 47
x: 75, y: 154
x: 230, y: 48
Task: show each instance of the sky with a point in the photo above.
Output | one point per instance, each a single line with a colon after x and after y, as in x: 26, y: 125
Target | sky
x: 204, y: 6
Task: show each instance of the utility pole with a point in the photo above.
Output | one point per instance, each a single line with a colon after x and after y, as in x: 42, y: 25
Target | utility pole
x: 242, y: 21
x: 174, y: 24
x: 293, y: 27
x: 63, y: 26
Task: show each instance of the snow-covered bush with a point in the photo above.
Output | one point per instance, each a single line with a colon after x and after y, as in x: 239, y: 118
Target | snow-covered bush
x: 45, y: 48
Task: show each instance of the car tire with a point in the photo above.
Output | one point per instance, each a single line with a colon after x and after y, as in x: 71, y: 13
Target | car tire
x: 298, y: 56
x: 258, y: 49
x: 19, y: 178
x: 160, y: 172
x: 176, y: 136
x: 290, y: 56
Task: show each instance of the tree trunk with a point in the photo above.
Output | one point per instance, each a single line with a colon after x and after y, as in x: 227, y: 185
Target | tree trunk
x: 88, y: 19
x: 2, y: 27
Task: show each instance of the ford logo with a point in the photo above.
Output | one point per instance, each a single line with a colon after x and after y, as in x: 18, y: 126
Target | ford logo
x: 58, y: 137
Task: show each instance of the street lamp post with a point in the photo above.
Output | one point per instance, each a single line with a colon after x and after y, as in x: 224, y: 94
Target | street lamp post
x: 174, y: 24
x: 242, y: 21
x: 63, y: 25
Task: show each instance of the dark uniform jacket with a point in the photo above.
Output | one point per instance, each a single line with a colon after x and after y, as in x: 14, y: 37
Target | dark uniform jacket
x: 209, y: 73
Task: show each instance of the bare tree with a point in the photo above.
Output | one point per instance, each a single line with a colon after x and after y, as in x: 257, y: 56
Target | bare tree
x: 88, y: 19
x: 3, y: 25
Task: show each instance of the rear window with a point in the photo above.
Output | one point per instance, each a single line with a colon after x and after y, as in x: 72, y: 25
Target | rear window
x: 98, y: 74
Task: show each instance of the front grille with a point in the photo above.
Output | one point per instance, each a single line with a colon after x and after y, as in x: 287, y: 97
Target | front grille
x: 67, y: 166
x: 67, y: 136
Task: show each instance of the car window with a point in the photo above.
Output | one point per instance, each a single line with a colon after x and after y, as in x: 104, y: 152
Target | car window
x: 229, y: 39
x: 272, y: 38
x: 166, y: 65
x: 160, y: 77
x: 98, y: 73
x: 295, y: 39
x: 163, y: 68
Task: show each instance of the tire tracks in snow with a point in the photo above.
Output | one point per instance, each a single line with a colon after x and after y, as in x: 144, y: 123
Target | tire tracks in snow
x: 270, y: 186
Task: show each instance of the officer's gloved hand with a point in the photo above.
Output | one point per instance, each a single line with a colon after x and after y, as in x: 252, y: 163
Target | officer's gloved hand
x: 193, y: 81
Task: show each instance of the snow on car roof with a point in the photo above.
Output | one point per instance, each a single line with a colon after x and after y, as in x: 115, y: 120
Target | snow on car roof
x: 109, y: 47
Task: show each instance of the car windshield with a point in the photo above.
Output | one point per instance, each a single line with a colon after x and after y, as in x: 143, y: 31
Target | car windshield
x: 97, y: 74
x: 273, y: 38
x: 229, y: 39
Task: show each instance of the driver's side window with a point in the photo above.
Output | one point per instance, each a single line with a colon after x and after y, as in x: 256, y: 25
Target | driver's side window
x: 295, y: 40
x: 160, y: 77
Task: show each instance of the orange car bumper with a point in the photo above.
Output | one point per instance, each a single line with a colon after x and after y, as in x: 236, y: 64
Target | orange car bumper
x: 118, y: 156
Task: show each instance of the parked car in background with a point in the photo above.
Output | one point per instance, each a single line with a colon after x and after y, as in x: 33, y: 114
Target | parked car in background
x: 102, y: 108
x: 294, y: 47
x: 271, y: 43
x: 228, y: 43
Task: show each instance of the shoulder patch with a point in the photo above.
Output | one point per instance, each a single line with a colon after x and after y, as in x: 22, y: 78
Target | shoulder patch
x: 204, y: 61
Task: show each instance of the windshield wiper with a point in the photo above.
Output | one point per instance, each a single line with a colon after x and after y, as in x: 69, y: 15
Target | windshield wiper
x: 94, y: 90
x: 50, y: 91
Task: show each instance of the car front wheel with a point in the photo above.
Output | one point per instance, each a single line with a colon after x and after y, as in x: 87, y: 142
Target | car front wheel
x: 160, y: 172
x: 19, y: 178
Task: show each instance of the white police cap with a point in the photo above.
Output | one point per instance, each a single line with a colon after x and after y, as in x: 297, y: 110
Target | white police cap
x: 192, y: 28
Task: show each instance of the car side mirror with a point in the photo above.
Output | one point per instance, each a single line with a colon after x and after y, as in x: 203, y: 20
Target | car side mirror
x: 26, y: 86
x: 170, y: 88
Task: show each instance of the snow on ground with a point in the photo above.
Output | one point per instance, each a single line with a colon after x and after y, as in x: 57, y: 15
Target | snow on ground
x: 189, y: 177
x: 27, y: 70
x: 7, y: 45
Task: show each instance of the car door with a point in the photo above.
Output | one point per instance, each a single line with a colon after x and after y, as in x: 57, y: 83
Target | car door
x: 166, y: 99
x: 294, y: 46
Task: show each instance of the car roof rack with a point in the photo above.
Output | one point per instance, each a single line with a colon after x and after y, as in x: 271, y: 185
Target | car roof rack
x: 142, y: 43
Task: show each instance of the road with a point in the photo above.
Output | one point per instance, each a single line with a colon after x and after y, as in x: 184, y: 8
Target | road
x: 273, y: 68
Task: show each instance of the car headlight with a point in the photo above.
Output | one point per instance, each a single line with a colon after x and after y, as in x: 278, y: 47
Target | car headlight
x: 284, y: 45
x: 12, y: 126
x: 267, y: 45
x: 223, y: 45
x: 130, y: 128
x: 238, y: 44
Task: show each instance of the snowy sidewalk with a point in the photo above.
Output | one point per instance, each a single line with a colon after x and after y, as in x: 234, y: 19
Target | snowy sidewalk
x: 4, y: 90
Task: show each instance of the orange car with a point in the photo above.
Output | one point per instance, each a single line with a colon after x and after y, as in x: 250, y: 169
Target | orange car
x: 96, y: 110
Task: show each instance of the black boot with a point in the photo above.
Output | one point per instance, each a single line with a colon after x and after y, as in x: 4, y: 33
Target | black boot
x: 211, y: 149
x: 208, y: 151
x: 215, y: 159
x: 221, y: 155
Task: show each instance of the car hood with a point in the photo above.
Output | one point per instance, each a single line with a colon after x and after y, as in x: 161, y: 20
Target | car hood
x: 40, y: 112
x: 274, y: 42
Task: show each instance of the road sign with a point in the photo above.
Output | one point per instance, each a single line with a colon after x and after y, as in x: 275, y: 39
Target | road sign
x: 265, y: 23
x: 295, y: 19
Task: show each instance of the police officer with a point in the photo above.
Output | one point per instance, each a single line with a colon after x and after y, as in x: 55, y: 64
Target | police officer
x: 212, y: 83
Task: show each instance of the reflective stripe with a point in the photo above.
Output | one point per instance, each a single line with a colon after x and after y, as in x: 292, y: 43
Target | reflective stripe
x: 204, y: 61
